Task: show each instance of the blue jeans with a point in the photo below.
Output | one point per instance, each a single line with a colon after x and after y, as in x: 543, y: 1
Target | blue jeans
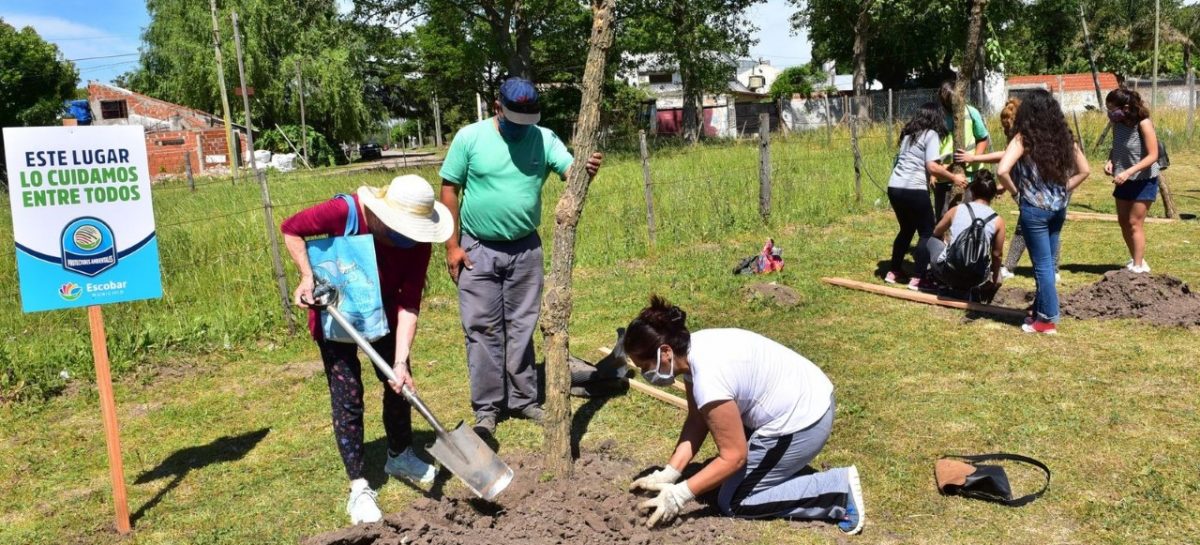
x: 1041, y: 229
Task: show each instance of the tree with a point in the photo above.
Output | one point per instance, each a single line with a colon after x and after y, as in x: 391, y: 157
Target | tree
x: 175, y: 62
x: 801, y: 80
x: 701, y: 38
x: 34, y: 80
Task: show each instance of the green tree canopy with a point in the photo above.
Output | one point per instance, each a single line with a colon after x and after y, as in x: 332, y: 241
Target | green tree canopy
x: 34, y: 80
x: 801, y: 80
x: 177, y: 62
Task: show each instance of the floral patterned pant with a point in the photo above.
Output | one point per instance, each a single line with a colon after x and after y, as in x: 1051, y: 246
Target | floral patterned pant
x: 343, y: 372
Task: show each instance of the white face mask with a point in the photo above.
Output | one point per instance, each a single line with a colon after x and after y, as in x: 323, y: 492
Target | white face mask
x: 657, y: 377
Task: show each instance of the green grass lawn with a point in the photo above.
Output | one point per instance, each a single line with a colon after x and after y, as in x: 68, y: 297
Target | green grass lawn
x: 225, y: 419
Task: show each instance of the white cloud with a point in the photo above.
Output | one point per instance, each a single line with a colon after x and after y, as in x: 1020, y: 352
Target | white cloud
x: 345, y: 6
x: 78, y: 41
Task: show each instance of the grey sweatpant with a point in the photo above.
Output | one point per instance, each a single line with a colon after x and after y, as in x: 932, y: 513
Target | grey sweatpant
x: 774, y: 483
x: 499, y: 301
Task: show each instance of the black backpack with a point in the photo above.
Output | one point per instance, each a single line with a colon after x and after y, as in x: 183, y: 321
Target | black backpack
x: 968, y: 262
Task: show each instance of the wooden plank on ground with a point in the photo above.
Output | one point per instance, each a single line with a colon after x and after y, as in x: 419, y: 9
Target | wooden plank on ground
x: 927, y: 298
x: 1094, y: 216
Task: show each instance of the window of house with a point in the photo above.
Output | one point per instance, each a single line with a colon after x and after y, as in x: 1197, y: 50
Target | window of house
x: 757, y: 82
x: 660, y: 78
x: 113, y: 109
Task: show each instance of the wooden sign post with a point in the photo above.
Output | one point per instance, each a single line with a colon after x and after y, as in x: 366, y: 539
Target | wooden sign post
x: 108, y: 412
x: 83, y: 225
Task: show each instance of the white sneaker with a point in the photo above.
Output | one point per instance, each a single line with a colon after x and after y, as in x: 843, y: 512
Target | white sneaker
x: 1144, y: 269
x: 1005, y: 274
x: 1057, y: 278
x: 361, y: 505
x: 408, y: 466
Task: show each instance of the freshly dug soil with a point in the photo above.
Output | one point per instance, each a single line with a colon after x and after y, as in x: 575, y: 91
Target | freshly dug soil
x: 1155, y: 298
x: 593, y: 508
x: 1012, y: 297
x: 773, y: 293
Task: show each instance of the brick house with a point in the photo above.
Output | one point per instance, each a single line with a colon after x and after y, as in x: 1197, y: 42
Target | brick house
x: 174, y: 133
x: 1076, y: 92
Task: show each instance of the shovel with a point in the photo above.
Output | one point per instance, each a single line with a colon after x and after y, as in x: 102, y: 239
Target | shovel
x: 461, y: 451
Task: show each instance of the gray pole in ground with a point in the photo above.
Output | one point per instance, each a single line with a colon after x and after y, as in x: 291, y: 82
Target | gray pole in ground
x: 216, y: 36
x: 764, y: 166
x: 1154, y: 84
x: 303, y: 124
x: 437, y: 121
x: 647, y: 185
x: 268, y: 213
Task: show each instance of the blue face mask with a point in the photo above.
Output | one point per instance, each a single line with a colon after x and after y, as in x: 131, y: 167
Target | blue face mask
x: 400, y: 241
x: 513, y: 132
x: 657, y: 377
x: 1116, y: 115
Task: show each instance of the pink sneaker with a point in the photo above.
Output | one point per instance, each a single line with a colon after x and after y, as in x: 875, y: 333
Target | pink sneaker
x: 893, y: 277
x: 1038, y: 326
x: 914, y: 283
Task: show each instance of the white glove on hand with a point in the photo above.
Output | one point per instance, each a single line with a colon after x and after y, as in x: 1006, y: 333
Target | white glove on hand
x: 667, y: 505
x: 657, y: 480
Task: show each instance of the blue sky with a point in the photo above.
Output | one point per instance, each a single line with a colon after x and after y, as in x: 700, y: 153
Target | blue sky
x: 85, y: 29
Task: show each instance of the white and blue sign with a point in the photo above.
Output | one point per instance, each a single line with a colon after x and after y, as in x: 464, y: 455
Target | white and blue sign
x: 83, y: 221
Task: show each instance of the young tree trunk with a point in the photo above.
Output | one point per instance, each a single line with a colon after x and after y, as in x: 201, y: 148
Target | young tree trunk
x: 861, y: 29
x: 963, y: 85
x: 693, y: 108
x: 556, y: 306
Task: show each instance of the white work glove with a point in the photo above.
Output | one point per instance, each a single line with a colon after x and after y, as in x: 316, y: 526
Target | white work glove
x: 667, y: 505
x: 657, y: 480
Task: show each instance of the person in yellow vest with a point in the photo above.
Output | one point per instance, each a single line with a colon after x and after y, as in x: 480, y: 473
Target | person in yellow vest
x: 977, y: 139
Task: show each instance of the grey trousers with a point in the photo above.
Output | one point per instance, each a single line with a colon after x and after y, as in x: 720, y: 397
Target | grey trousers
x: 499, y: 301
x: 774, y: 482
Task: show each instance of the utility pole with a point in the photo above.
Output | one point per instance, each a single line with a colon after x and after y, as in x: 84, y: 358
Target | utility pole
x: 1087, y: 41
x: 1154, y: 84
x: 437, y: 121
x: 303, y: 125
x: 268, y: 208
x: 216, y: 36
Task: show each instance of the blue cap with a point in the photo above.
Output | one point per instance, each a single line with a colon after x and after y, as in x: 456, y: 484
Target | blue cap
x: 519, y: 101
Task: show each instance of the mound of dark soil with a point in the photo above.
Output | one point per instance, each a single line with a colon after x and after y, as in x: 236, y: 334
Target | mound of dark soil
x: 1155, y: 298
x: 593, y: 508
x: 773, y: 293
x: 1012, y: 297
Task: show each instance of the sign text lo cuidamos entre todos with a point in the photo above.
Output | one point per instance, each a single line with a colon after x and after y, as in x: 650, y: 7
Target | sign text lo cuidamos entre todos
x: 83, y: 221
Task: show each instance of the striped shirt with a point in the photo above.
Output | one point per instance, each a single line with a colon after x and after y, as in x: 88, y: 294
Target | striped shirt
x: 1128, y: 149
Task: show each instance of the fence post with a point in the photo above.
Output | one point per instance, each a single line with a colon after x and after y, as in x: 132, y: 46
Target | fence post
x: 1191, y: 85
x: 1168, y: 201
x: 187, y: 168
x: 764, y: 166
x: 646, y: 183
x: 891, y: 121
x: 857, y: 155
x: 828, y: 123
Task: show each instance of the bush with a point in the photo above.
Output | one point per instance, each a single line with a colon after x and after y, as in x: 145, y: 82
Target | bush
x: 320, y: 153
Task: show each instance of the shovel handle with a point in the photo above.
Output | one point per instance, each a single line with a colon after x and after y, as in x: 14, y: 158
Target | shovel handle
x: 384, y: 368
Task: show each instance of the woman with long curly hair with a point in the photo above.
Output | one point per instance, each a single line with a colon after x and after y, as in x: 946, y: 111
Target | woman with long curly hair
x: 1133, y: 164
x: 1042, y: 165
x: 908, y: 188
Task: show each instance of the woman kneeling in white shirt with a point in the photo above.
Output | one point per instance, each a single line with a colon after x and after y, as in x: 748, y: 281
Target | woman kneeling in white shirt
x: 769, y: 410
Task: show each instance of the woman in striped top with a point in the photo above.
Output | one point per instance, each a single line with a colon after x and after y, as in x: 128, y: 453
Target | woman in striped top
x: 1133, y: 164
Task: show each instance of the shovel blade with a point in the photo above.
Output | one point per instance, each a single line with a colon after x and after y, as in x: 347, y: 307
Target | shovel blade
x: 470, y: 459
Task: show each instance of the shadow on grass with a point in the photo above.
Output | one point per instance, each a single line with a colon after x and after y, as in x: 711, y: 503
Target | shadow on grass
x: 184, y: 461
x: 582, y: 418
x: 1088, y: 268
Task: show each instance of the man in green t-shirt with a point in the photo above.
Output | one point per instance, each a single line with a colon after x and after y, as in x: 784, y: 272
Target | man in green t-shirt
x: 500, y: 165
x: 977, y: 137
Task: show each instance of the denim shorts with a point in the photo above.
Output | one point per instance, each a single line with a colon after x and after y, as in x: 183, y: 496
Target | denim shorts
x: 1138, y: 190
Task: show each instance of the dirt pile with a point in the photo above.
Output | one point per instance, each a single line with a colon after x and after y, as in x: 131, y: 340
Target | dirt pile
x: 773, y: 293
x: 593, y: 508
x: 1155, y: 298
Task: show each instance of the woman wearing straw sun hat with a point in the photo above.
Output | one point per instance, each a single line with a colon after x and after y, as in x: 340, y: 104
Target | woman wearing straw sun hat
x: 403, y: 219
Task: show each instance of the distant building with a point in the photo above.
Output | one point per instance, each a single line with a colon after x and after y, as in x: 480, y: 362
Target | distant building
x: 1075, y: 92
x: 174, y: 133
x: 730, y: 113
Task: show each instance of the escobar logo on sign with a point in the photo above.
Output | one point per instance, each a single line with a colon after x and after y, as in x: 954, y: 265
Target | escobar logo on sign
x: 88, y: 247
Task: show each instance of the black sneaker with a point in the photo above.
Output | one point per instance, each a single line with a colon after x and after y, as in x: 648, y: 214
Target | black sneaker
x: 485, y: 424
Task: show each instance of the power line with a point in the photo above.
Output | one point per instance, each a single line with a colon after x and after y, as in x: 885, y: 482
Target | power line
x: 105, y: 57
